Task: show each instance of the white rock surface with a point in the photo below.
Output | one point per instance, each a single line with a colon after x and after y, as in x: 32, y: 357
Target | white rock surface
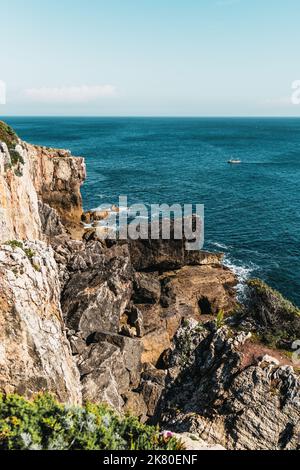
x: 35, y: 355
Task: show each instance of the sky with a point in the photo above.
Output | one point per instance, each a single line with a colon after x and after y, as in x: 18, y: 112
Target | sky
x: 150, y: 57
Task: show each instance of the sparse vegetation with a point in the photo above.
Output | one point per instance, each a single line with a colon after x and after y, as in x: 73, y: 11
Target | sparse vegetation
x: 8, y: 135
x: 46, y: 424
x: 16, y: 158
x: 28, y: 251
x: 264, y: 290
x: 219, y: 319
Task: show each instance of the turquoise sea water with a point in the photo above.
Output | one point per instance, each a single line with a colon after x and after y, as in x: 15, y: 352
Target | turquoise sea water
x: 252, y: 210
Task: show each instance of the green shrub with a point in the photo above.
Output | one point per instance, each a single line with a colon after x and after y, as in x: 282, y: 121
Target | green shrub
x: 46, y: 424
x: 7, y: 135
x: 271, y: 295
x: 220, y: 319
x: 15, y: 244
x: 28, y: 251
x: 16, y: 158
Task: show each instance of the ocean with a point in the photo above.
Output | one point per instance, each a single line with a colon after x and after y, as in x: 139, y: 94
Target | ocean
x: 252, y: 210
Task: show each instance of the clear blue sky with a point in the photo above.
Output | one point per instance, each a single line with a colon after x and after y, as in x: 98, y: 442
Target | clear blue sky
x: 150, y: 57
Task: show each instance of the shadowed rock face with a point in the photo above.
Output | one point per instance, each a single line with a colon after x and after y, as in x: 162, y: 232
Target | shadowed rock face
x: 19, y: 214
x: 95, y: 298
x: 165, y: 255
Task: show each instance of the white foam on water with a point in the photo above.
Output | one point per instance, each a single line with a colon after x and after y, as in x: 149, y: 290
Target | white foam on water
x: 220, y: 245
x: 242, y: 272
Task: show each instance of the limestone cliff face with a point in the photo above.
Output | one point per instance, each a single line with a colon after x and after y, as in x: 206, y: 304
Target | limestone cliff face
x: 19, y: 214
x: 57, y: 177
x: 29, y: 174
x: 34, y: 353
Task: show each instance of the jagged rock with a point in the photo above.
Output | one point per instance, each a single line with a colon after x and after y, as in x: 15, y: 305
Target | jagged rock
x: 110, y: 367
x: 78, y: 345
x: 95, y: 299
x: 211, y: 393
x: 104, y: 377
x: 19, y: 214
x: 57, y: 177
x: 134, y: 318
x: 130, y: 348
x: 134, y: 404
x: 165, y: 255
x: 205, y: 289
x: 146, y: 288
x: 152, y: 387
x: 34, y: 353
x: 50, y: 220
x: 154, y: 344
x: 190, y: 292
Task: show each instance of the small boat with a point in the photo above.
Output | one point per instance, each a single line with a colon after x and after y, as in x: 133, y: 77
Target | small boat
x: 234, y: 161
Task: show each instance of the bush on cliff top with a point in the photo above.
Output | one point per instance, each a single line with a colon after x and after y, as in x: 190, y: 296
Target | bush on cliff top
x: 46, y: 424
x: 7, y: 135
x: 277, y: 319
x: 267, y: 294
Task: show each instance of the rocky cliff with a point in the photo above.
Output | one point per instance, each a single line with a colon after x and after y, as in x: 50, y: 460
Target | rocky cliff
x: 36, y: 185
x: 145, y: 327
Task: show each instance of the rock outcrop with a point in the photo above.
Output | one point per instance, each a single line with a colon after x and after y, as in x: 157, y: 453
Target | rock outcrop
x: 19, y: 213
x: 31, y: 176
x: 57, y: 177
x: 270, y: 315
x: 34, y: 352
x: 210, y: 391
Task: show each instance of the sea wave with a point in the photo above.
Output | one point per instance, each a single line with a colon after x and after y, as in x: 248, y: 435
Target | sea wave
x: 243, y: 272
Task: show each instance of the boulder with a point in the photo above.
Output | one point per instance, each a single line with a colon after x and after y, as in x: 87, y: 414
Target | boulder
x: 130, y: 348
x: 104, y: 377
x: 50, y: 221
x: 95, y: 299
x: 146, y: 288
x: 165, y: 255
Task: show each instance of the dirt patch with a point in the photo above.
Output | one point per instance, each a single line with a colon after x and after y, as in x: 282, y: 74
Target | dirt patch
x: 253, y: 352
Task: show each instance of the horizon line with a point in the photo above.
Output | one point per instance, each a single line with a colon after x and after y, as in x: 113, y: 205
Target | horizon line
x: 184, y: 116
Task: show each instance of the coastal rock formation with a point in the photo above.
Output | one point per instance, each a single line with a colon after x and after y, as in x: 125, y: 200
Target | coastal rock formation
x: 213, y: 392
x: 166, y: 255
x: 57, y: 177
x: 19, y: 213
x: 31, y: 176
x: 97, y: 293
x: 143, y: 325
x: 34, y: 352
